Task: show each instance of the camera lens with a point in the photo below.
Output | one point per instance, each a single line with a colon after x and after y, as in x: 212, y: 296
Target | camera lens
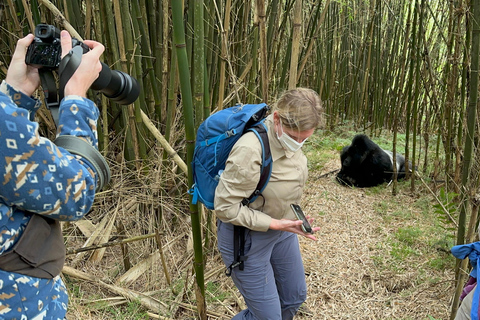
x: 117, y: 85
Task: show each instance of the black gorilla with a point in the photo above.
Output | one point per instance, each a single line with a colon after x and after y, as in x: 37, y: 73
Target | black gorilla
x: 365, y: 164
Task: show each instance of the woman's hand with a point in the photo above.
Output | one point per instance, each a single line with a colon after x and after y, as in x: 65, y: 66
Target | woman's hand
x: 294, y: 226
x: 88, y: 70
x: 21, y: 76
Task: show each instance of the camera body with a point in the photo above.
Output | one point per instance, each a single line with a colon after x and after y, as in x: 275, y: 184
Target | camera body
x: 46, y: 50
x: 45, y: 53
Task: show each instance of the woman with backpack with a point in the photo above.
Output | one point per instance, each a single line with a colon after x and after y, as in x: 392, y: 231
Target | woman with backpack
x: 272, y: 281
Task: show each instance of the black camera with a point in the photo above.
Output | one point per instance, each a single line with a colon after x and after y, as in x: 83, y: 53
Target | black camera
x: 45, y: 52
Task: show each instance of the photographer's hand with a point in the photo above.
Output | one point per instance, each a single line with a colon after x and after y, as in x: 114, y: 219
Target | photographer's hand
x: 88, y: 70
x: 21, y: 76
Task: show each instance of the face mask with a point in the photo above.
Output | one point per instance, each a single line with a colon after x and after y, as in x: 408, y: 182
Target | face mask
x: 288, y: 142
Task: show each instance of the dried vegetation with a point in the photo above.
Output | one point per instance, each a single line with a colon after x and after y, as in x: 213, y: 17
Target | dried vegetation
x: 360, y: 267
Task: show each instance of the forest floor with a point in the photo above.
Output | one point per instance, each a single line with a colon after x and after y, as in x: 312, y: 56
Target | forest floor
x: 377, y: 256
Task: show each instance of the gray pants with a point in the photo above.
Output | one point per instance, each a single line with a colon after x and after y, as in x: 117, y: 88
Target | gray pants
x: 273, y: 280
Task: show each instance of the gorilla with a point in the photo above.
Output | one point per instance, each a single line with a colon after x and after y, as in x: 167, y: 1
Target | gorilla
x: 365, y: 164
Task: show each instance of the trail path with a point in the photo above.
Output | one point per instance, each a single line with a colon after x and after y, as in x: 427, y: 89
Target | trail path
x: 350, y: 271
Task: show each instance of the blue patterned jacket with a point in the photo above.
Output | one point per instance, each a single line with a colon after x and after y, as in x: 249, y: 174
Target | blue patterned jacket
x: 39, y: 177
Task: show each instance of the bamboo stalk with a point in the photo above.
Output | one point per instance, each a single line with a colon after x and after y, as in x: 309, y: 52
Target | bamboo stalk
x: 230, y: 68
x: 418, y: 48
x: 28, y: 14
x: 223, y: 55
x: 147, y: 52
x: 162, y: 259
x: 126, y: 258
x: 296, y: 37
x: 60, y: 17
x: 150, y: 126
x: 13, y: 13
x: 261, y: 16
x: 165, y: 62
x: 186, y: 90
x: 310, y: 45
x: 198, y: 61
x: 469, y: 155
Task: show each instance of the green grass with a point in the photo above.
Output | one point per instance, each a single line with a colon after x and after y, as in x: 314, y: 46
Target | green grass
x: 409, y: 235
x: 214, y: 292
x: 131, y: 311
x: 424, y: 243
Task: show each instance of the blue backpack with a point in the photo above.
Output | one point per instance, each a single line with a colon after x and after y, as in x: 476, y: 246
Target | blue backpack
x: 216, y: 137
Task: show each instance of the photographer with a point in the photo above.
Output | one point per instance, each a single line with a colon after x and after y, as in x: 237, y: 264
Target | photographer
x: 41, y: 184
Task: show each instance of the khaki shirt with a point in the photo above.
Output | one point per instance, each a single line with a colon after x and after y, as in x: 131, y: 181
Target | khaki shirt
x: 241, y: 176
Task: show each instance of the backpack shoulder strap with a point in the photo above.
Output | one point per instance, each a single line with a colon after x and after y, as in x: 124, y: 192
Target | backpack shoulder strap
x: 260, y: 130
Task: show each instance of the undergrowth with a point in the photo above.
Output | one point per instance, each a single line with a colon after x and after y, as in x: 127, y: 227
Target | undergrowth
x: 415, y: 232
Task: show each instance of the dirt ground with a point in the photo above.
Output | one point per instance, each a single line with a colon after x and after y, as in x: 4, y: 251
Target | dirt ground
x: 343, y: 280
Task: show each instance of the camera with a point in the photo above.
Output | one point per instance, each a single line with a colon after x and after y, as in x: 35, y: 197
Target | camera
x: 45, y: 52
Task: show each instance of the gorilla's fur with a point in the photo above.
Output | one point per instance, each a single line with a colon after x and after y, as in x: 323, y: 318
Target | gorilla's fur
x: 365, y: 164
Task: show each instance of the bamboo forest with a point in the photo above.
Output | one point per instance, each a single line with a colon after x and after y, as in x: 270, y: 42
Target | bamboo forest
x: 405, y: 73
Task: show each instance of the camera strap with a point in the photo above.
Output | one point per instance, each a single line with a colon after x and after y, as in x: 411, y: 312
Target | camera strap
x: 78, y: 146
x: 49, y: 87
x: 68, y: 66
x: 72, y: 144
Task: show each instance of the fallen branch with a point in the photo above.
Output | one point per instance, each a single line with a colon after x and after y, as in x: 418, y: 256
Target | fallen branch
x: 328, y: 173
x: 156, y: 316
x: 171, y: 152
x: 111, y: 244
x: 146, y: 301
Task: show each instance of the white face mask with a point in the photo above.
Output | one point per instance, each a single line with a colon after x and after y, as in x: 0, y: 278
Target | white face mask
x: 288, y: 142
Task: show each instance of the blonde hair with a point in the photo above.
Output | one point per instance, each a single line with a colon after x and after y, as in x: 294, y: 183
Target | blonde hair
x: 300, y: 109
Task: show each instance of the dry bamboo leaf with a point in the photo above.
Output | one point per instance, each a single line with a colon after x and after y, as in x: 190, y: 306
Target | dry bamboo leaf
x: 105, y: 303
x: 85, y: 226
x: 216, y: 271
x: 140, y: 268
x: 109, y: 300
x: 130, y: 206
x: 98, y: 254
x: 91, y: 239
x: 156, y: 316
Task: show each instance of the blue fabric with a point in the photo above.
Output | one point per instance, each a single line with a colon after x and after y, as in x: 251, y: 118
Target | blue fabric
x: 37, y: 176
x: 472, y: 251
x: 215, y: 138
